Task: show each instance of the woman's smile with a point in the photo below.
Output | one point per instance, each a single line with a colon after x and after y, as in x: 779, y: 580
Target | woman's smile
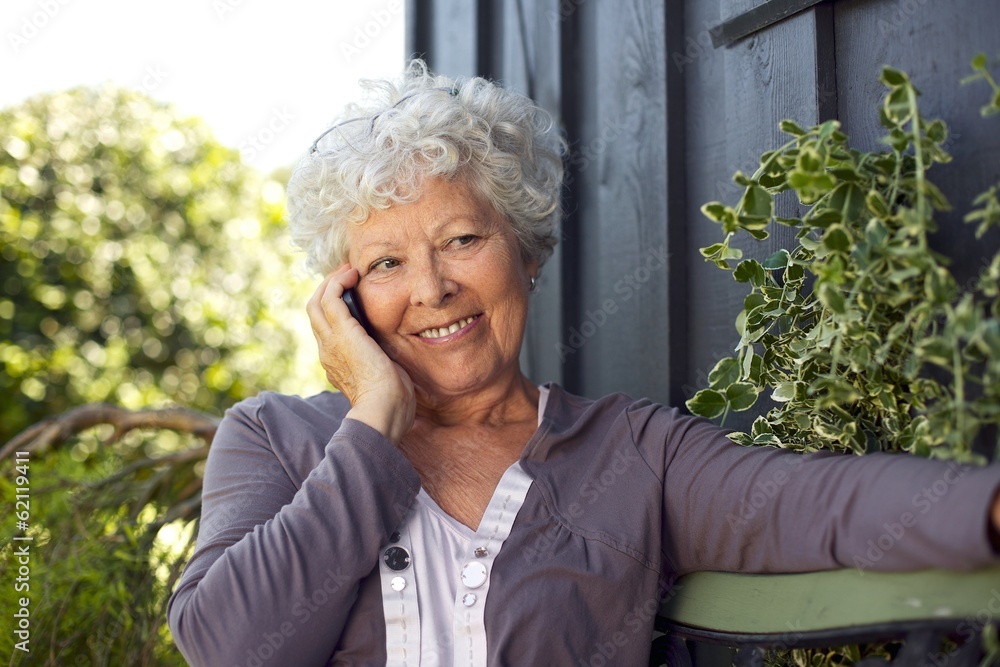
x: 450, y: 332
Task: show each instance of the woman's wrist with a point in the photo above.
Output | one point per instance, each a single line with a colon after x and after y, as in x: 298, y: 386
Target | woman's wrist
x: 389, y: 422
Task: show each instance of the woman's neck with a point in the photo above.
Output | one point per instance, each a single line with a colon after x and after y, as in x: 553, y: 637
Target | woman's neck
x: 501, y: 403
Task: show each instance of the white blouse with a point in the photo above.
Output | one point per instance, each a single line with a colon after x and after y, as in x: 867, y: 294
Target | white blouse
x: 435, y: 575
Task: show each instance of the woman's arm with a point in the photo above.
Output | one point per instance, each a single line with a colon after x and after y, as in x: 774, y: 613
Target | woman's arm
x: 279, y: 561
x: 749, y: 509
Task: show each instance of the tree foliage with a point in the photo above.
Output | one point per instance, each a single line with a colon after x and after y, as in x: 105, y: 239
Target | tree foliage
x: 141, y: 261
x: 141, y: 264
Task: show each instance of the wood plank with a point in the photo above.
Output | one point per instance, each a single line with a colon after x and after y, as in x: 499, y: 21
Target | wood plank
x: 679, y: 260
x: 708, y: 173
x: 620, y: 335
x: 578, y: 80
x: 536, y: 54
x: 418, y: 29
x: 453, y: 26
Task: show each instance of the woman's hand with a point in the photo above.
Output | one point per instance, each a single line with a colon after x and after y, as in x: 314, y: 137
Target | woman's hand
x: 381, y: 392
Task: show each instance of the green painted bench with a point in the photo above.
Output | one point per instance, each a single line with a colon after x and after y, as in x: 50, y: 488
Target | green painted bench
x: 827, y: 609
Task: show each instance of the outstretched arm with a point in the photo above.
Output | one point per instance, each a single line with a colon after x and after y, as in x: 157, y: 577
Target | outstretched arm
x: 747, y: 509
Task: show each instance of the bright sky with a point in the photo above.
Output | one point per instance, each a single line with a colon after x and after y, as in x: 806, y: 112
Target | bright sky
x: 266, y: 76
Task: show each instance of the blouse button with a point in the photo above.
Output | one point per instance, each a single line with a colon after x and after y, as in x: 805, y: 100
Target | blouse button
x: 397, y: 583
x: 469, y: 599
x: 481, y: 552
x: 397, y: 558
x: 474, y: 574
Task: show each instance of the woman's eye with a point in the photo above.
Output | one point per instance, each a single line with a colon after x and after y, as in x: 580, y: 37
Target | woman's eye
x: 463, y: 240
x: 383, y: 264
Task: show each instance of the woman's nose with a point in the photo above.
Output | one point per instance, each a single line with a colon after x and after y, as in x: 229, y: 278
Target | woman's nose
x: 431, y: 287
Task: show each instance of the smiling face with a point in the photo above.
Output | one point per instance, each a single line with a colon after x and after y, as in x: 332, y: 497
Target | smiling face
x: 445, y: 288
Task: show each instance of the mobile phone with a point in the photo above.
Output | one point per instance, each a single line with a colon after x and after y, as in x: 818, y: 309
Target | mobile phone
x: 357, y: 312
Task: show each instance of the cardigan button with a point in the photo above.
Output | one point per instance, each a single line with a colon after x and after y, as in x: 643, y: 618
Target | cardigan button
x: 396, y: 558
x: 474, y: 574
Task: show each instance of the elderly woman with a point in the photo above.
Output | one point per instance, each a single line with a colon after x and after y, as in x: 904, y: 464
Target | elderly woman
x: 442, y: 509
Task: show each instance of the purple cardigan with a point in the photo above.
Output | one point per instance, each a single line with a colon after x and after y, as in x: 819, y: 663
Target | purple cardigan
x: 626, y: 496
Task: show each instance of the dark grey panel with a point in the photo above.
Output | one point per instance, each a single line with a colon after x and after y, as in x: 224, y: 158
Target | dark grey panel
x: 708, y: 172
x: 618, y: 336
x: 454, y: 41
x: 531, y: 63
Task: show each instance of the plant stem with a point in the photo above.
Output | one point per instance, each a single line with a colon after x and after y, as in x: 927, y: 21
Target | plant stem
x: 985, y: 72
x: 919, y: 157
x: 762, y: 168
x: 959, y: 372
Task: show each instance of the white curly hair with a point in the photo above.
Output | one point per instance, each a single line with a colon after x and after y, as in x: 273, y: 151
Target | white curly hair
x: 378, y: 154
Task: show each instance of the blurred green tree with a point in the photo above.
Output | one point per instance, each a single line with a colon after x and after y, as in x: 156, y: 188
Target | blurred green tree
x: 141, y: 265
x: 141, y: 262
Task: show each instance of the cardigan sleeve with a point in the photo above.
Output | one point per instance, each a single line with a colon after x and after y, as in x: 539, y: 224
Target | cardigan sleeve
x: 279, y: 558
x: 753, y: 509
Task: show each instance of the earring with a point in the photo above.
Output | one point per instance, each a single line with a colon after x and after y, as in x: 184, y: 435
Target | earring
x: 532, y: 283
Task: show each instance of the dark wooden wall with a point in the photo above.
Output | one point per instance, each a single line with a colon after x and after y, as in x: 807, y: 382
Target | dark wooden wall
x: 659, y: 118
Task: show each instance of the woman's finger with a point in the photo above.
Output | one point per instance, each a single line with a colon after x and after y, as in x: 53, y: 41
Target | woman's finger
x: 326, y: 306
x: 338, y: 282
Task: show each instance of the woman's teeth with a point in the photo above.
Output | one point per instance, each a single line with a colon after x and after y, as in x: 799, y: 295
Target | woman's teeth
x: 444, y: 331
